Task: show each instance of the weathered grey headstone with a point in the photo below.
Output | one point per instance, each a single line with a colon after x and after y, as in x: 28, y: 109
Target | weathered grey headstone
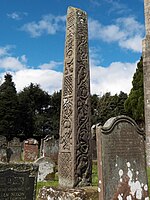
x: 30, y: 150
x: 46, y: 169
x: 18, y: 181
x: 121, y: 160
x: 75, y: 161
x: 3, y: 148
x: 49, y: 148
x: 15, y: 147
x: 146, y: 73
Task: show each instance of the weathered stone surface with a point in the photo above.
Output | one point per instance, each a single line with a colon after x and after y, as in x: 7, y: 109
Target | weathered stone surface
x: 18, y: 181
x: 121, y: 160
x: 146, y: 73
x: 46, y: 169
x: 51, y: 193
x: 49, y: 148
x: 75, y: 161
x: 15, y: 147
x: 30, y: 150
x: 3, y: 148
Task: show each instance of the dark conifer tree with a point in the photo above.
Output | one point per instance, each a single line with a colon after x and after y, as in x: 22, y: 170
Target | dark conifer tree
x: 134, y: 105
x: 8, y: 108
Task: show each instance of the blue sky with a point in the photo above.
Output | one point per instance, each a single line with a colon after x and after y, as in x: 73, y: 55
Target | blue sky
x: 32, y: 39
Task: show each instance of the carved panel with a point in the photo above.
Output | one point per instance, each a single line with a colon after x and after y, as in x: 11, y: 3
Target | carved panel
x: 74, y: 143
x: 65, y: 167
x: 83, y: 163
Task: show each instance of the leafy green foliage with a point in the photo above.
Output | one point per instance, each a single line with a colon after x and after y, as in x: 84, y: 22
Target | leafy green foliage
x: 134, y: 105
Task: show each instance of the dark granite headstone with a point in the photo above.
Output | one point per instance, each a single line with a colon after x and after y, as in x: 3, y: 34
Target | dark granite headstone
x: 121, y: 160
x: 18, y: 181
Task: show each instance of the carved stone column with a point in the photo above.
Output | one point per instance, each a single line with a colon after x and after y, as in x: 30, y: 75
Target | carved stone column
x: 75, y: 160
x: 146, y: 72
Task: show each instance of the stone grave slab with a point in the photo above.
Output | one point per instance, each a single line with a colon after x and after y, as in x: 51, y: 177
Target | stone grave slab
x: 121, y: 160
x: 50, y: 148
x: 3, y: 147
x: 30, y: 150
x: 15, y: 146
x: 18, y: 181
x: 46, y: 169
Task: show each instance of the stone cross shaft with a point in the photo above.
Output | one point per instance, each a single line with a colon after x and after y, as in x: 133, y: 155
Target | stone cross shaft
x: 74, y: 160
x: 146, y: 72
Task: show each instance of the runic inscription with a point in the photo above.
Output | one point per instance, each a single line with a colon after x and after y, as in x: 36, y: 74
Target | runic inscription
x: 74, y: 145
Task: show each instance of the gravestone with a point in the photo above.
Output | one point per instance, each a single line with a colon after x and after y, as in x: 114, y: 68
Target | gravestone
x: 30, y: 150
x: 3, y: 148
x: 75, y: 160
x: 18, y: 181
x: 146, y: 77
x: 121, y: 160
x: 49, y: 148
x: 15, y: 147
x: 46, y: 169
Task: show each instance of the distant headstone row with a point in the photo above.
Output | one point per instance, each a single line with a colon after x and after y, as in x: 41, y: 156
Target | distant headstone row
x: 27, y: 151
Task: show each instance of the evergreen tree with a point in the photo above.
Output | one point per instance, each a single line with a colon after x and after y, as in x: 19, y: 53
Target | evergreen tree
x: 33, y: 104
x: 8, y: 108
x: 94, y: 108
x: 107, y: 106
x: 54, y: 112
x: 134, y: 105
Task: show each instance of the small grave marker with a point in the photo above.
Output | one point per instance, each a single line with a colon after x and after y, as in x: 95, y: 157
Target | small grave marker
x: 15, y: 147
x: 30, y: 150
x: 49, y: 148
x: 3, y: 147
x: 46, y: 169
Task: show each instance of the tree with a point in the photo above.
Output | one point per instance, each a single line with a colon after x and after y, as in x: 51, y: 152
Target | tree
x: 134, y: 105
x: 54, y: 112
x: 8, y: 108
x: 33, y: 104
x: 107, y: 106
x: 94, y: 108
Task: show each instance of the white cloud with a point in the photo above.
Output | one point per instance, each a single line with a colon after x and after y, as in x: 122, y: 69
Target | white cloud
x: 127, y: 32
x: 11, y: 63
x: 50, y: 65
x: 114, y: 78
x: 49, y: 80
x: 16, y: 15
x: 4, y: 51
x: 116, y: 7
x: 49, y: 24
